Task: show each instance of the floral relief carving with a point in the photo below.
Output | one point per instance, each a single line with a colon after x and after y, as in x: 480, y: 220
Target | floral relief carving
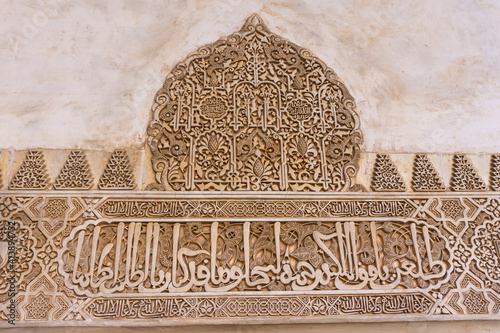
x: 286, y: 121
x: 8, y: 206
x: 486, y: 244
x: 32, y: 174
x: 24, y: 254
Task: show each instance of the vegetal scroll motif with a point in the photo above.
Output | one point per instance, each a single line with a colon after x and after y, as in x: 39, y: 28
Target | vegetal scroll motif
x: 254, y: 111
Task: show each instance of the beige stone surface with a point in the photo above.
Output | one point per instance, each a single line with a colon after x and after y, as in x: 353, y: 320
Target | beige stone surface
x: 83, y: 74
x: 413, y: 327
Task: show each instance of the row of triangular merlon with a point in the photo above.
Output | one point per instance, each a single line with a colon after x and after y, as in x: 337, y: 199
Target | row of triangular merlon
x: 75, y: 173
x: 464, y: 176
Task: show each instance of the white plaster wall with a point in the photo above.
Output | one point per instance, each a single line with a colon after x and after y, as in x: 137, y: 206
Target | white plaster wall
x: 84, y: 73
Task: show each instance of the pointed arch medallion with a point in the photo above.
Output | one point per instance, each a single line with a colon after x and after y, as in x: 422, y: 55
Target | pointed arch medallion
x: 254, y: 111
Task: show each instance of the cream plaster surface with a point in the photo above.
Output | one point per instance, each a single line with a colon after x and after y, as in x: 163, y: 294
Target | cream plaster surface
x: 83, y: 74
x: 415, y: 327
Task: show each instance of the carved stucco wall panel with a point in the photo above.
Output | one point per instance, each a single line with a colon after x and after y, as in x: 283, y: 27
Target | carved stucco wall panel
x: 109, y: 257
x: 254, y: 111
x: 251, y: 202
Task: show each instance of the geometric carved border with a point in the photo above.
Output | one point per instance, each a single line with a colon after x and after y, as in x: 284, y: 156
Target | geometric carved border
x: 446, y: 231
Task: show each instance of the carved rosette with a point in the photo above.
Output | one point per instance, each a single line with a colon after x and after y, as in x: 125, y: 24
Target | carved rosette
x: 254, y: 111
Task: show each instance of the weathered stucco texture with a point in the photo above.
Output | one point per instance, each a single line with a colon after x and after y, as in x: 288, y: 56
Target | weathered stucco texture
x: 84, y: 74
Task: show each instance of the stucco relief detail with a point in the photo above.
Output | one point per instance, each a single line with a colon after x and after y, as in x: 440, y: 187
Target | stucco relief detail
x: 464, y: 176
x: 32, y: 174
x: 125, y: 257
x: 103, y: 257
x: 254, y: 111
x: 424, y: 175
x: 118, y: 173
x: 249, y: 114
x: 386, y: 176
x: 252, y: 306
x: 75, y: 173
x: 495, y: 173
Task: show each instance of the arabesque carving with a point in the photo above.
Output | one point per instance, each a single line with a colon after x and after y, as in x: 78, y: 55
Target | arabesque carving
x: 75, y: 173
x: 249, y: 113
x: 251, y: 306
x: 495, y: 173
x: 253, y: 256
x: 254, y: 111
x: 32, y: 174
x: 110, y: 256
x: 118, y: 173
x: 425, y: 177
x: 386, y: 176
x: 464, y: 176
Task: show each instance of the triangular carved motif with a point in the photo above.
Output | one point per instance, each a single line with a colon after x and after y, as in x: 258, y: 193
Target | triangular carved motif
x: 118, y: 173
x: 424, y: 175
x: 495, y: 173
x: 464, y: 176
x: 75, y: 173
x: 386, y: 176
x: 32, y: 173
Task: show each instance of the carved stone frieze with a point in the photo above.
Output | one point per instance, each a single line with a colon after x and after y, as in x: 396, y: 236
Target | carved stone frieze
x: 129, y: 208
x: 255, y: 306
x: 115, y: 256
